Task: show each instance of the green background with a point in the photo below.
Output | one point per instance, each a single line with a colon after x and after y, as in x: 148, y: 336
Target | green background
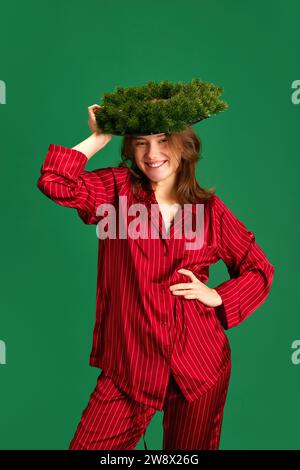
x: 58, y: 58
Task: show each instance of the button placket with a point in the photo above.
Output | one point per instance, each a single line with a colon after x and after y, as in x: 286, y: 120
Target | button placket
x: 166, y: 248
x: 164, y: 288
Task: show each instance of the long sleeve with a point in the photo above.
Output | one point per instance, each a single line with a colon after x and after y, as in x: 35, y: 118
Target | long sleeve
x: 251, y: 274
x: 64, y: 180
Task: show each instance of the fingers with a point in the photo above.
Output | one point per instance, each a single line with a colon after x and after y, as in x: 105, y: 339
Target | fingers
x: 189, y: 273
x: 183, y: 285
x: 184, y: 292
x: 92, y: 108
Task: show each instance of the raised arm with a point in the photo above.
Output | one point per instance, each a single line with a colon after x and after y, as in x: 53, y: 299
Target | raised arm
x: 64, y: 180
x: 251, y: 273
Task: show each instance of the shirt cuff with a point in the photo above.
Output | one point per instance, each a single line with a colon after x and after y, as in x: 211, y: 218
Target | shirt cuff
x: 64, y: 161
x: 229, y: 311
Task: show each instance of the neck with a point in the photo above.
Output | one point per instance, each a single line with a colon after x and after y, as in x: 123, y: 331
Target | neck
x: 165, y: 189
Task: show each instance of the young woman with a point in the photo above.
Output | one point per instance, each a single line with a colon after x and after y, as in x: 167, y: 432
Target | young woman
x: 159, y: 335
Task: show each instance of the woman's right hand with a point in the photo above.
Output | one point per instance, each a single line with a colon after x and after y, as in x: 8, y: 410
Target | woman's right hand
x: 94, y: 126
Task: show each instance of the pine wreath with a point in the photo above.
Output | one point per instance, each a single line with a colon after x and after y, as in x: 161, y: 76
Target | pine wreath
x: 160, y: 107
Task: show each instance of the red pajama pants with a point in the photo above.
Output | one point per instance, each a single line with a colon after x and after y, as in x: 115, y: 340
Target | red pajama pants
x: 114, y: 421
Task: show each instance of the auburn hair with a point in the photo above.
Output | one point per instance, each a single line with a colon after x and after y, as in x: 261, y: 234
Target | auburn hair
x: 189, y: 146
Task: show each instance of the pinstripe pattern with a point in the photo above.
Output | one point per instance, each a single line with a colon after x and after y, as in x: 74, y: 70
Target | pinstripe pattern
x: 113, y: 421
x: 143, y: 332
x: 196, y: 425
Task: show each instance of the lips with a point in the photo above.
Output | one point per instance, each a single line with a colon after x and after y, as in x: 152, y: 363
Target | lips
x: 156, y: 164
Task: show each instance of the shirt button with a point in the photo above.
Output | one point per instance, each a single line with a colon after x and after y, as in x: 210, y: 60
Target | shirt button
x: 164, y: 323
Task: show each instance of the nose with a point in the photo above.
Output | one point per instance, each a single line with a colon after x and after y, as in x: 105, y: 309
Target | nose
x: 152, y: 150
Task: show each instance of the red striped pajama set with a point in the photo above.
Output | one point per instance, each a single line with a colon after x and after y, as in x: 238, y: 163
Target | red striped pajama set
x: 157, y: 350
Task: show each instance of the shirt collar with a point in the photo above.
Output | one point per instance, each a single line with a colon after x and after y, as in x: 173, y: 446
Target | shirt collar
x: 143, y: 195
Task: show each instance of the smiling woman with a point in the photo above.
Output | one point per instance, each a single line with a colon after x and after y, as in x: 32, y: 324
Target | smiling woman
x: 158, y: 336
x: 152, y: 158
x: 144, y: 142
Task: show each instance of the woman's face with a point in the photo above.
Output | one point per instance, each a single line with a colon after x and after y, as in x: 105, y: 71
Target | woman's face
x: 153, y: 156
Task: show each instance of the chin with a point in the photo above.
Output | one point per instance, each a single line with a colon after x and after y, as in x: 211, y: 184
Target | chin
x: 159, y: 178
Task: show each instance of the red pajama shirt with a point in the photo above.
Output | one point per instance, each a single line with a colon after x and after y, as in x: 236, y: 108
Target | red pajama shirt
x: 143, y: 332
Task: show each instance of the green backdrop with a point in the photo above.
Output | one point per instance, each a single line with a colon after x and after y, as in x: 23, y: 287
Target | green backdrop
x: 57, y: 58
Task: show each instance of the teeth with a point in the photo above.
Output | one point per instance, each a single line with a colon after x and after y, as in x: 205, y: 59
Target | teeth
x: 155, y: 165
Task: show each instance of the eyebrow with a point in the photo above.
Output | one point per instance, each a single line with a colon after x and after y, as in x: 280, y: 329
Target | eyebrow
x: 143, y: 138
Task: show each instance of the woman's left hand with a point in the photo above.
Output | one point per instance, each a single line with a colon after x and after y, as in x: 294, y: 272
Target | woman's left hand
x: 196, y: 290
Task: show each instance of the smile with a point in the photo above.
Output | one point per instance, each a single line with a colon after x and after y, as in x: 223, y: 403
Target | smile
x: 156, y: 165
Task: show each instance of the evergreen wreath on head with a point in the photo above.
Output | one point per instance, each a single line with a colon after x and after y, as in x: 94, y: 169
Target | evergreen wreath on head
x: 156, y: 108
